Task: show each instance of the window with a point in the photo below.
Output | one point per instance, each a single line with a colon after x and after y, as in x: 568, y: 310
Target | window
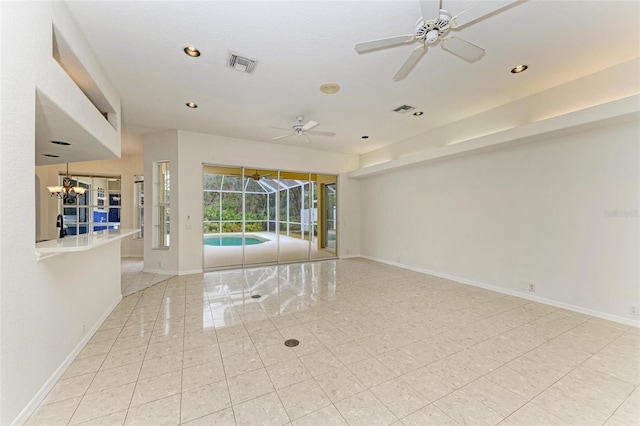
x: 138, y: 205
x: 97, y: 209
x: 162, y: 211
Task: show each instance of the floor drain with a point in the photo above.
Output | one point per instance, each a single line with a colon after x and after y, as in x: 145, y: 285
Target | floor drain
x: 291, y: 343
x: 256, y: 296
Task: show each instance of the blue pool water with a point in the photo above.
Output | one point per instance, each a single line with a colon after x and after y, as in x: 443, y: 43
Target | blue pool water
x: 228, y: 241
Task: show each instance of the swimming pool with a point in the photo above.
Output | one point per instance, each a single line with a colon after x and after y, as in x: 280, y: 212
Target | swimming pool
x: 232, y: 240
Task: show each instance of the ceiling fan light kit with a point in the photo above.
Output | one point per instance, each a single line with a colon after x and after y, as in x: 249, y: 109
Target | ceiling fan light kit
x: 431, y: 31
x: 303, y: 129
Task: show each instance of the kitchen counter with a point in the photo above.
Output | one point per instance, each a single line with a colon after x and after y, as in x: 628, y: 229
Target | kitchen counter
x: 82, y: 242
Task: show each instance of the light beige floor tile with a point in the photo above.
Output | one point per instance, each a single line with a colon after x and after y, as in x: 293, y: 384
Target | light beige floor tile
x: 276, y: 354
x: 55, y: 413
x: 219, y: 418
x: 499, y: 399
x: 230, y: 348
x: 201, y: 354
x: 242, y: 363
x: 531, y: 414
x: 161, y: 365
x: 287, y: 373
x: 464, y: 409
x: 521, y: 384
x: 115, y: 419
x: 577, y: 399
x: 429, y: 415
x: 439, y: 335
x: 157, y: 387
x: 202, y: 374
x: 320, y: 362
x: 454, y: 371
x: 323, y: 417
x: 629, y: 411
x: 399, y: 362
x: 303, y: 398
x: 429, y: 384
x: 127, y: 356
x: 339, y: 384
x: 101, y: 403
x: 113, y: 377
x: 67, y: 388
x: 365, y: 409
x: 164, y: 411
x: 400, y: 398
x: 249, y: 385
x: 199, y: 402
x: 371, y: 372
x: 101, y: 347
x: 350, y: 353
x: 264, y: 410
x: 81, y: 366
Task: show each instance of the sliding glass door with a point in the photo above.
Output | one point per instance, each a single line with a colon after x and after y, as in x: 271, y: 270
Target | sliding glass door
x: 262, y: 216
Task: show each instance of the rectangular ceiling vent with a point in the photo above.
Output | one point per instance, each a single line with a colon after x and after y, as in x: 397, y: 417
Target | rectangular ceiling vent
x: 240, y: 63
x: 403, y: 109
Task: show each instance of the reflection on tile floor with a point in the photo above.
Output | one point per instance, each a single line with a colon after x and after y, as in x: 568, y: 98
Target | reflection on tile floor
x: 378, y: 345
x: 133, y: 279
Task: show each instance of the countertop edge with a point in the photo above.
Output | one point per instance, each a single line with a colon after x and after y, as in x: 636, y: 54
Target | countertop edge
x: 73, y: 244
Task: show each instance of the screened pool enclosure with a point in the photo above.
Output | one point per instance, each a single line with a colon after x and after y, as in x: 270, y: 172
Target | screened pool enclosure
x: 257, y: 216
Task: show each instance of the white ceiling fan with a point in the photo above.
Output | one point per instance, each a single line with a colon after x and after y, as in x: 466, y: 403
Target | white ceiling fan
x: 433, y: 27
x: 300, y: 129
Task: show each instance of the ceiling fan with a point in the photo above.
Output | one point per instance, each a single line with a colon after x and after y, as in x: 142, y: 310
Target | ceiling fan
x: 433, y: 27
x: 300, y: 129
x: 257, y: 176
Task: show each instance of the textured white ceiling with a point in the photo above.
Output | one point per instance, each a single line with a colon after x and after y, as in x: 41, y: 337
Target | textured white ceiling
x: 301, y: 44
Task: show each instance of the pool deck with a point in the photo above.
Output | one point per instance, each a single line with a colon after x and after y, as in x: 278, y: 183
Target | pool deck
x: 291, y: 250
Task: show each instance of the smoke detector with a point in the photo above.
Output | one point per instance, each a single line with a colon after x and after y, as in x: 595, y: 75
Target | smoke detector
x: 241, y: 63
x: 403, y: 109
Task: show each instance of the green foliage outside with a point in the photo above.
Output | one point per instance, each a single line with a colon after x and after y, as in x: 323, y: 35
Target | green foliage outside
x: 229, y: 211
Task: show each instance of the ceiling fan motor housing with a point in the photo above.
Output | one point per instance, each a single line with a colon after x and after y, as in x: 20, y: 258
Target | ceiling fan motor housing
x: 430, y: 30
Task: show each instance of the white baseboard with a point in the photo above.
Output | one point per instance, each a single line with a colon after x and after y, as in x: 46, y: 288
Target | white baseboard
x: 550, y: 302
x: 349, y: 256
x: 50, y: 383
x: 193, y: 271
x: 160, y: 271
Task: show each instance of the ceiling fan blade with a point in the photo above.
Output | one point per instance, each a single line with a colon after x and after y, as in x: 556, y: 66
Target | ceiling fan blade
x: 479, y: 11
x: 430, y: 9
x: 366, y: 46
x: 462, y: 48
x: 281, y: 128
x: 310, y: 125
x: 281, y: 137
x: 322, y: 133
x: 411, y: 62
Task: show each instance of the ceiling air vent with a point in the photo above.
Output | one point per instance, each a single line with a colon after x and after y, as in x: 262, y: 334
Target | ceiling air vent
x: 240, y: 63
x: 403, y: 109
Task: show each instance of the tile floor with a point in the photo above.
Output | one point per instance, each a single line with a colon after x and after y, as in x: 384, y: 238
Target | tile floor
x: 378, y: 346
x: 132, y: 277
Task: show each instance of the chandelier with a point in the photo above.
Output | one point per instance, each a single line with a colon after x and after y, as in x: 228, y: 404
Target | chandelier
x: 66, y: 190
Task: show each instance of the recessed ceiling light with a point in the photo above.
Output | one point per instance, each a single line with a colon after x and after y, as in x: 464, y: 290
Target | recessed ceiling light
x: 330, y: 88
x: 365, y: 137
x: 51, y: 155
x: 418, y: 113
x: 192, y: 51
x: 191, y: 105
x: 60, y: 143
x: 519, y: 69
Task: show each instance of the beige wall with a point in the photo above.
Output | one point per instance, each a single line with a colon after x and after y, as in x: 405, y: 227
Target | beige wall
x: 541, y: 213
x: 187, y: 152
